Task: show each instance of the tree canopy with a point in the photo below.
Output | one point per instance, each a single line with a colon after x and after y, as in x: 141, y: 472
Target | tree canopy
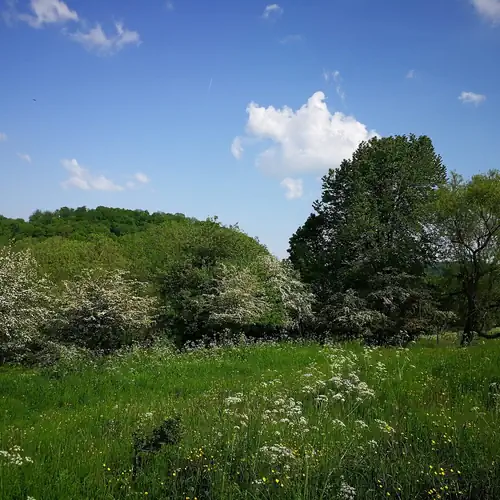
x: 468, y: 222
x: 371, y: 236
x: 79, y: 223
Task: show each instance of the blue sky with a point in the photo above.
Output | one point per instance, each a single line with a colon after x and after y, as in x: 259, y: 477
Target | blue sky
x: 233, y: 108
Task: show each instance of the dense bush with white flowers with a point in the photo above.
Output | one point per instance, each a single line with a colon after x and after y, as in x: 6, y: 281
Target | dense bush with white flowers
x: 103, y: 310
x: 25, y: 302
x: 250, y: 294
x: 293, y: 296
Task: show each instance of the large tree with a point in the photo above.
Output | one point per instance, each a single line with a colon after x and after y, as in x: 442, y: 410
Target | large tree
x: 469, y: 224
x: 371, y: 231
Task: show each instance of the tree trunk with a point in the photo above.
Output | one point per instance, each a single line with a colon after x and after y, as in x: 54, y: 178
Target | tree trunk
x: 472, y: 317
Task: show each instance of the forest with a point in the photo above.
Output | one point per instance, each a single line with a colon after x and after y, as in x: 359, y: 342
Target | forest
x: 161, y: 356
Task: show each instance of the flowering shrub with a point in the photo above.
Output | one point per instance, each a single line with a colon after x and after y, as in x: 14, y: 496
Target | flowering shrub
x: 103, y: 310
x: 248, y: 295
x: 25, y: 302
x: 293, y: 295
x: 239, y: 297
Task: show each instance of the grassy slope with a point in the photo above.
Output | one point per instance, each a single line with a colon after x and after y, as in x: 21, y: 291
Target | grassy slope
x: 432, y: 427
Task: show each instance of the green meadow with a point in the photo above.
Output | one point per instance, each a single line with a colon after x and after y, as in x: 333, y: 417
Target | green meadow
x: 270, y: 420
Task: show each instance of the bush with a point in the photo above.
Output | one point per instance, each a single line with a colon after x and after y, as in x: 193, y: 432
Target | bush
x: 25, y: 303
x: 103, y: 310
x: 266, y: 292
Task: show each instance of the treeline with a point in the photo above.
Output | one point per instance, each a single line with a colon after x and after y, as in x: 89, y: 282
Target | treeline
x: 395, y: 248
x: 79, y: 223
x: 145, y: 245
x: 169, y: 278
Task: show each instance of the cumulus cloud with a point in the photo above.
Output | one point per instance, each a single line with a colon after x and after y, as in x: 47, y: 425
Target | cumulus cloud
x: 272, y: 11
x: 24, y: 157
x: 471, y: 98
x: 96, y: 39
x: 48, y: 12
x: 3, y: 137
x: 294, y: 188
x: 169, y: 5
x: 82, y: 178
x: 488, y: 9
x: 410, y: 74
x: 310, y: 139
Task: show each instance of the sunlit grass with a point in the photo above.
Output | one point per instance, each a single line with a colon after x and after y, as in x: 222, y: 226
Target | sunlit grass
x: 265, y: 421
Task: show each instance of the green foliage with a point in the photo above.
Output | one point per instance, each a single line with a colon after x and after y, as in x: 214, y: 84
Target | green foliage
x: 372, y: 234
x: 81, y: 222
x: 64, y: 258
x: 468, y: 221
x: 190, y: 274
x: 177, y: 257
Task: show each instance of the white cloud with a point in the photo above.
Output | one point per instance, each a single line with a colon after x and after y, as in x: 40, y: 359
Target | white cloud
x: 96, y: 39
x: 44, y: 12
x: 294, y: 188
x: 337, y: 79
x: 272, y: 11
x: 291, y: 39
x: 489, y: 9
x: 410, y: 74
x: 169, y: 5
x: 81, y: 178
x: 24, y: 157
x: 310, y: 139
x: 141, y: 178
x: 471, y: 98
x: 48, y: 12
x: 3, y: 137
x: 138, y: 178
x: 237, y: 148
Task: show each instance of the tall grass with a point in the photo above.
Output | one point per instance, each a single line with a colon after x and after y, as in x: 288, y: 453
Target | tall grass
x: 294, y: 421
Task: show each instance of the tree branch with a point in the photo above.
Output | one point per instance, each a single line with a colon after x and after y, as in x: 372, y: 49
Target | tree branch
x: 488, y: 336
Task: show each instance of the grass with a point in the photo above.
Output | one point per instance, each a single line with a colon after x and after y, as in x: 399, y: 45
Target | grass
x: 266, y: 421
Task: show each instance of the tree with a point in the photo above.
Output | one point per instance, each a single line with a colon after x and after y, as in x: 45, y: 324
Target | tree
x: 186, y: 271
x: 469, y: 225
x: 371, y: 233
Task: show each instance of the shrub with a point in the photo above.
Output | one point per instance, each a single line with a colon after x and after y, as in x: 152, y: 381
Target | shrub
x: 266, y: 292
x: 25, y: 302
x: 294, y: 297
x: 239, y: 297
x: 103, y: 310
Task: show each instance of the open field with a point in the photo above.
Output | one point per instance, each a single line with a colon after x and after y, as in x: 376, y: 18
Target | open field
x: 267, y: 421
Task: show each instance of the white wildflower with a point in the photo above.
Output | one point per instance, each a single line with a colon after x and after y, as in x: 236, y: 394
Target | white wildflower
x: 346, y: 492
